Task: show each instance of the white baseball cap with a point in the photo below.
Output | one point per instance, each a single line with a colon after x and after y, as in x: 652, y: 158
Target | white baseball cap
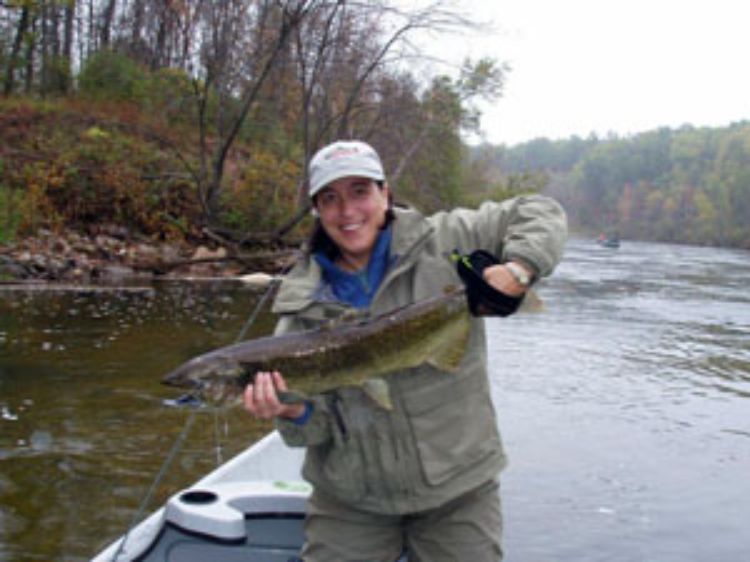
x: 343, y: 159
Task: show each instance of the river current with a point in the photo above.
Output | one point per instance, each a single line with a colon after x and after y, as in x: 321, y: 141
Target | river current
x: 623, y: 406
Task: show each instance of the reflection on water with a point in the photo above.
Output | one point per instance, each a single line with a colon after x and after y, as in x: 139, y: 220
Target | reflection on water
x: 623, y: 407
x: 83, y: 430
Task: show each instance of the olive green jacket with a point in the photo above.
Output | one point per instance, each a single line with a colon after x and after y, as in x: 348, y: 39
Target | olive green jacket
x: 441, y: 438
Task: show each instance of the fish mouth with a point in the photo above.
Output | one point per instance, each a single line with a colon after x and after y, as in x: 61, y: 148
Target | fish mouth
x: 187, y: 400
x: 179, y: 383
x: 192, y: 398
x: 195, y: 388
x: 177, y: 379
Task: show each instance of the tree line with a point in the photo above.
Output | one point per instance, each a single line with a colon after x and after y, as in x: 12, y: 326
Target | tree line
x: 690, y: 184
x: 165, y: 115
x: 255, y: 85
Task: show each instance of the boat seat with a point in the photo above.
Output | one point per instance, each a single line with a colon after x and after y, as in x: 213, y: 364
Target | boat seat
x: 234, y: 522
x: 221, y: 510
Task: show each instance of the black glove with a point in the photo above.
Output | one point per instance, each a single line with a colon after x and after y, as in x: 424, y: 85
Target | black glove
x: 484, y: 299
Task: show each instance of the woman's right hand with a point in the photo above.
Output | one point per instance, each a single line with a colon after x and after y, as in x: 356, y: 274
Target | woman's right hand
x: 262, y: 401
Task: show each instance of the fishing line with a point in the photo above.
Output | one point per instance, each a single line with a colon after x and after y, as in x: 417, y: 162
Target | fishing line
x: 241, y: 336
x: 217, y: 439
x: 251, y: 319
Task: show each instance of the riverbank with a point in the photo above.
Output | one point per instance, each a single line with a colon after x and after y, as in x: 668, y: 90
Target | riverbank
x: 110, y: 255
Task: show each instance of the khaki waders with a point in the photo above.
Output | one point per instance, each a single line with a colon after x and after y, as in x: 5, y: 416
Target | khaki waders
x: 466, y: 529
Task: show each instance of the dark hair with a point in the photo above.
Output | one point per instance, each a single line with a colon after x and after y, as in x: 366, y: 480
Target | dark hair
x: 319, y: 240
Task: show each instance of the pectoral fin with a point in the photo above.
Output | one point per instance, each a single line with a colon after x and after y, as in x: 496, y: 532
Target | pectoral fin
x: 447, y: 359
x: 290, y: 397
x: 451, y: 348
x: 377, y: 390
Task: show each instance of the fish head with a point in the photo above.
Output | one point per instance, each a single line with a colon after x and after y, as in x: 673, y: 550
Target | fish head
x: 217, y: 381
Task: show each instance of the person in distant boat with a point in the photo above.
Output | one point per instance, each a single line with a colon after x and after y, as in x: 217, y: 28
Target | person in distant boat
x: 422, y: 477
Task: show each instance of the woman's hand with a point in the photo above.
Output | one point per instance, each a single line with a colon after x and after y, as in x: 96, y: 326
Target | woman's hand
x: 502, y: 279
x: 262, y: 401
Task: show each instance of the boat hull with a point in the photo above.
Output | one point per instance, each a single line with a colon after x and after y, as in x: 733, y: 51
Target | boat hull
x: 265, y: 480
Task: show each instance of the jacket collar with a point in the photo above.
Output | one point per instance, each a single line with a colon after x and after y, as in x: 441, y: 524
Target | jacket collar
x: 301, y: 286
x: 410, y: 229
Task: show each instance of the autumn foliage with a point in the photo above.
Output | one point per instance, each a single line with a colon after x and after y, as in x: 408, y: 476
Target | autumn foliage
x: 677, y: 185
x: 176, y: 119
x: 72, y: 163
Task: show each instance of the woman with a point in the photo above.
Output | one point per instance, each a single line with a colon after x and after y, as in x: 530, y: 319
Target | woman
x: 422, y: 476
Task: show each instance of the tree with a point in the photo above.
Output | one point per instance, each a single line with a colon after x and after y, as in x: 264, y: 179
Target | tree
x: 13, y: 59
x: 234, y: 76
x: 348, y: 60
x: 343, y: 58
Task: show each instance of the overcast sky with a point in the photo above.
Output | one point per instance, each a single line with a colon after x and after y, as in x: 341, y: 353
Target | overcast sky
x: 624, y: 66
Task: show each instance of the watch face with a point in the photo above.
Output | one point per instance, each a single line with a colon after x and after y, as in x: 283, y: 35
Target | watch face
x: 519, y: 273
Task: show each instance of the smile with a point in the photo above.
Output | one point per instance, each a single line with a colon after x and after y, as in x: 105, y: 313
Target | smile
x: 351, y: 227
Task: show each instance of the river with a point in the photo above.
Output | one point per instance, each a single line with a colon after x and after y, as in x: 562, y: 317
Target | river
x: 623, y: 407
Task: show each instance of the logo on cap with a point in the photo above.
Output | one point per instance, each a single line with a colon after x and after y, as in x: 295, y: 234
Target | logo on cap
x: 343, y: 151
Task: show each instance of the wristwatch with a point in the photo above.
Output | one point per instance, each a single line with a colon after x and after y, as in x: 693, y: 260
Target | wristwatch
x: 519, y: 272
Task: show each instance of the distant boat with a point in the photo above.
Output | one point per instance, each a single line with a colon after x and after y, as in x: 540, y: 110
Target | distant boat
x: 610, y: 243
x: 608, y: 240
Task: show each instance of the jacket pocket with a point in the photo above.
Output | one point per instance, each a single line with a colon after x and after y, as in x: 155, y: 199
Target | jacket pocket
x: 454, y: 426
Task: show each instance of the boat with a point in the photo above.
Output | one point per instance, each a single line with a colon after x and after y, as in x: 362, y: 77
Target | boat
x: 249, y: 509
x: 608, y: 241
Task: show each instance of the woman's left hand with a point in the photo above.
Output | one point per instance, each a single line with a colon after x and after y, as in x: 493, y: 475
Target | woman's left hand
x: 501, y: 278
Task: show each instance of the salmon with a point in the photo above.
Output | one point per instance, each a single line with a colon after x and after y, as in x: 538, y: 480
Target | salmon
x: 349, y: 352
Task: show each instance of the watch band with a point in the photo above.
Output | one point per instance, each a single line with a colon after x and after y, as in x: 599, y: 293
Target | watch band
x: 521, y: 275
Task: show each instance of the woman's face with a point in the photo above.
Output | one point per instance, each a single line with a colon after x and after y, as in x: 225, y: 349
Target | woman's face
x: 352, y: 211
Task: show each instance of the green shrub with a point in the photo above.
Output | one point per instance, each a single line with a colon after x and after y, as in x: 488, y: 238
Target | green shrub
x: 112, y: 76
x: 170, y: 93
x: 10, y: 214
x: 263, y: 195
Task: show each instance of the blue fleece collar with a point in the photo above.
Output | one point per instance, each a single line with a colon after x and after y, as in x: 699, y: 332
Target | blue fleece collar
x: 358, y: 288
